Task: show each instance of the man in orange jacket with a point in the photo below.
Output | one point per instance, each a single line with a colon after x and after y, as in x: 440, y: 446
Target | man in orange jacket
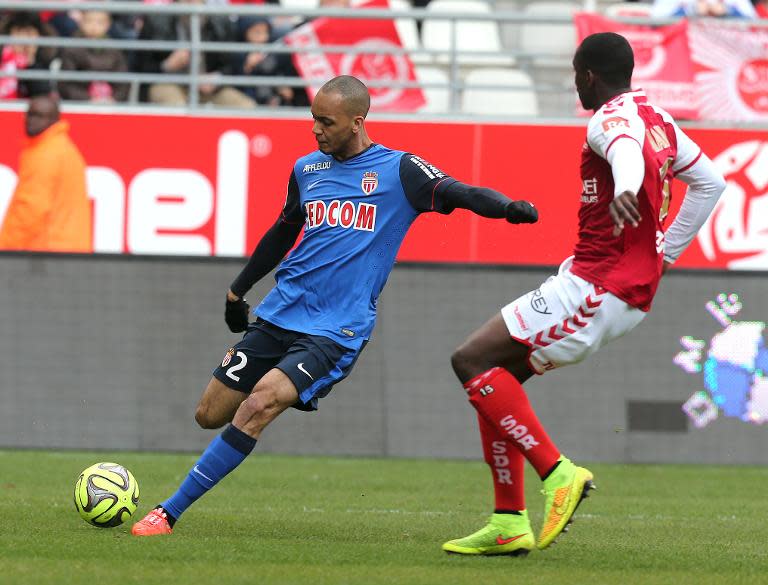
x: 50, y: 210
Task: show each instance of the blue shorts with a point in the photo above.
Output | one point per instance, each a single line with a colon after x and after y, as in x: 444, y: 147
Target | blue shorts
x: 312, y: 362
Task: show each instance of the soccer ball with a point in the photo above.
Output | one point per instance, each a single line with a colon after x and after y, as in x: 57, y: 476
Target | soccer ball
x: 106, y: 494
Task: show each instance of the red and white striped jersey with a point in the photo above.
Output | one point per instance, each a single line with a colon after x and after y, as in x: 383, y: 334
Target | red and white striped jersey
x: 628, y: 265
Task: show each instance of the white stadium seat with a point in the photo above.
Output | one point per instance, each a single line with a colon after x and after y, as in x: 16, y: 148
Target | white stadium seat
x: 557, y: 39
x: 409, y: 32
x: 516, y: 98
x: 438, y: 99
x: 471, y: 35
x: 300, y: 4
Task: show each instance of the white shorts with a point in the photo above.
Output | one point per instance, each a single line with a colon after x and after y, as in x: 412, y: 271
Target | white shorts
x: 567, y: 319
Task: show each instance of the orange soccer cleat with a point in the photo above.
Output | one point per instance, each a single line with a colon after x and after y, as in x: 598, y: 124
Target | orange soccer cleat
x: 154, y: 523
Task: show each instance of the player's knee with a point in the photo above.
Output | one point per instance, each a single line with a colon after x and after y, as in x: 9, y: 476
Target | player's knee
x: 464, y: 361
x: 205, y: 417
x: 258, y: 404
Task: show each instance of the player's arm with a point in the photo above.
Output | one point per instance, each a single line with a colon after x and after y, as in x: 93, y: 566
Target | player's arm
x: 628, y: 169
x: 486, y: 202
x: 617, y: 137
x: 270, y: 250
x: 705, y: 185
x: 429, y: 189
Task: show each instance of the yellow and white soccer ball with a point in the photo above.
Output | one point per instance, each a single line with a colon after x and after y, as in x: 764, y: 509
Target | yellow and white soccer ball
x: 106, y: 494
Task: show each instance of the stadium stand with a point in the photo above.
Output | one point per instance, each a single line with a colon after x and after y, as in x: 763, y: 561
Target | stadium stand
x: 516, y: 98
x: 472, y: 36
x: 438, y: 98
x: 408, y: 30
x: 549, y: 44
x: 536, y: 37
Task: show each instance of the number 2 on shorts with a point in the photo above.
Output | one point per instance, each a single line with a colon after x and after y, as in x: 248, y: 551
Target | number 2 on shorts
x: 237, y: 367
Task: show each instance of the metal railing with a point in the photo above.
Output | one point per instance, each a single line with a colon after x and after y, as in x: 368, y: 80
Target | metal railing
x: 525, y: 60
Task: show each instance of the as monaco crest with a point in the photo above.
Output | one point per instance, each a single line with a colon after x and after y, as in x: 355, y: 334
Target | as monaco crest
x: 370, y: 182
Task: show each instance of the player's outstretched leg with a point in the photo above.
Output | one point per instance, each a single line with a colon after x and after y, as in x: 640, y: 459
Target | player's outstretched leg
x: 564, y: 489
x: 223, y: 455
x: 505, y: 534
x: 272, y: 395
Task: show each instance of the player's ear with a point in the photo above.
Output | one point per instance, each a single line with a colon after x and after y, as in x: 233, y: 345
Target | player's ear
x: 357, y: 124
x: 590, y: 78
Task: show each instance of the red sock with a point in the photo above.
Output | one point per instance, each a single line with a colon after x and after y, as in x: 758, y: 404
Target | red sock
x: 501, y: 400
x: 506, y: 465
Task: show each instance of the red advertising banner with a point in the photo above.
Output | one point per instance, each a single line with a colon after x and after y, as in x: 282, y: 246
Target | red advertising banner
x: 373, y: 34
x: 212, y: 186
x: 663, y: 66
x: 702, y: 69
x: 731, y: 71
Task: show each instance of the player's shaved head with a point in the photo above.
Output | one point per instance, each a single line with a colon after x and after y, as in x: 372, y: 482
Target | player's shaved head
x: 339, y: 111
x: 607, y: 55
x: 354, y: 94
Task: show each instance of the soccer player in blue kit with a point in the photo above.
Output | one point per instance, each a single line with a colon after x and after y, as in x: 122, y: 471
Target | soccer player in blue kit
x: 355, y: 200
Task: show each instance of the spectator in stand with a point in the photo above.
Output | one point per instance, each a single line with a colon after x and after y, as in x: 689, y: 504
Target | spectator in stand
x: 94, y: 24
x: 24, y: 25
x: 169, y: 27
x: 66, y: 24
x: 716, y: 8
x: 258, y: 31
x: 50, y: 210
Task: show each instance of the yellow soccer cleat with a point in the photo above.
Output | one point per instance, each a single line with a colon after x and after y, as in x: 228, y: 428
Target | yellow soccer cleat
x: 564, y: 490
x: 505, y: 534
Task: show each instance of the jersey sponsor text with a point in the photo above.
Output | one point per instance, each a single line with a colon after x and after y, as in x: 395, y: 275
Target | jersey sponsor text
x: 430, y: 170
x: 318, y: 166
x: 614, y: 122
x: 343, y: 214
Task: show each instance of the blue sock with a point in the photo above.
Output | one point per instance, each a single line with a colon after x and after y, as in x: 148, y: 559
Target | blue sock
x: 224, y: 453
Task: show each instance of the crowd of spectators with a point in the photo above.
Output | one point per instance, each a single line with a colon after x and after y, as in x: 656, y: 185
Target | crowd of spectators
x: 96, y: 24
x: 710, y: 8
x: 212, y: 65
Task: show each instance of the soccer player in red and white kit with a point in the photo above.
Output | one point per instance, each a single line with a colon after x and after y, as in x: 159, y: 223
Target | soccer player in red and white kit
x: 632, y: 152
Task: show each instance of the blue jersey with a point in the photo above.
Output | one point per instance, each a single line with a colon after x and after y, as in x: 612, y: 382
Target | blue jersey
x: 355, y: 213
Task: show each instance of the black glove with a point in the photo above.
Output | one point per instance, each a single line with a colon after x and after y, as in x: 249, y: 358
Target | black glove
x: 521, y: 212
x: 236, y: 315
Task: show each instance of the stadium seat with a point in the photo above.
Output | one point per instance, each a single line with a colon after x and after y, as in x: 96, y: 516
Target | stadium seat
x: 438, y: 99
x: 553, y: 42
x: 510, y: 31
x: 409, y: 32
x: 300, y: 4
x: 516, y: 98
x: 471, y: 35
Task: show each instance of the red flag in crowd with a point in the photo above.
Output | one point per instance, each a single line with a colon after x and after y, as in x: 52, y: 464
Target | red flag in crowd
x: 373, y: 34
x: 731, y: 71
x: 663, y: 66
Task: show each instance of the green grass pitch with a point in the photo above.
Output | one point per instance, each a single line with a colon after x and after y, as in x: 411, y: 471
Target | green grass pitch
x: 315, y: 521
